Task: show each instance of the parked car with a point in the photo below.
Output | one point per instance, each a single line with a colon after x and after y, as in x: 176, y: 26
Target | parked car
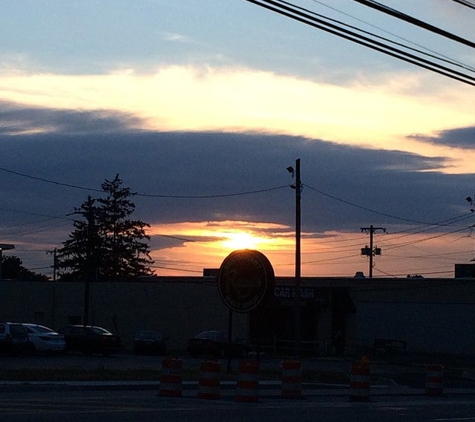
x: 44, y: 339
x: 149, y: 342
x: 13, y: 338
x: 90, y: 339
x: 216, y: 344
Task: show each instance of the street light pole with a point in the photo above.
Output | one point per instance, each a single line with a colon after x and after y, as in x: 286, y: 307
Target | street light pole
x: 297, y: 296
x: 298, y: 190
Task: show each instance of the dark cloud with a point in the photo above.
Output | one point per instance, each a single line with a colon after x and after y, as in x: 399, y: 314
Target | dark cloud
x: 17, y: 120
x: 457, y: 138
x: 182, y: 176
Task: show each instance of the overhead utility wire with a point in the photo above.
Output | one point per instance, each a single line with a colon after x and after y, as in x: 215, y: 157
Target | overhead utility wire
x: 391, y: 51
x: 49, y: 181
x: 414, y: 21
x: 293, y: 13
x: 388, y: 246
x: 402, y: 233
x: 48, y: 217
x: 433, y: 54
x: 392, y: 236
x: 225, y: 195
x: 450, y: 222
x: 425, y: 239
x: 145, y: 194
x: 234, y: 194
x: 365, y: 208
x: 465, y: 3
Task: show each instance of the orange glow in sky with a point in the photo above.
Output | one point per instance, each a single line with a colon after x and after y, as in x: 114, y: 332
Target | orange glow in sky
x: 169, y: 66
x: 326, y: 254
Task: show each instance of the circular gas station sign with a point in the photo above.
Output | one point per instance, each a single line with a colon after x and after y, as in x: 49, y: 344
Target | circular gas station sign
x: 245, y: 280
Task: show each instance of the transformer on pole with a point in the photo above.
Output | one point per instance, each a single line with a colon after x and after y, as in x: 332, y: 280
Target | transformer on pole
x: 371, y: 251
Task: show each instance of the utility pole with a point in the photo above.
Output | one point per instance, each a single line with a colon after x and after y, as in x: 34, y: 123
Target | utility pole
x: 297, y: 308
x: 53, y: 299
x: 371, y: 251
x: 90, y: 257
x: 55, y: 265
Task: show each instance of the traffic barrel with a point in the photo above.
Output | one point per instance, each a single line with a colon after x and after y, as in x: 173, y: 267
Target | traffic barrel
x: 291, y: 379
x: 171, y: 379
x: 248, y: 382
x: 360, y: 381
x: 209, y: 383
x: 434, y: 380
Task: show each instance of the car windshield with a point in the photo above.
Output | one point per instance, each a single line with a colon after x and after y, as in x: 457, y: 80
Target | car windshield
x: 40, y: 329
x: 100, y: 331
x: 17, y: 329
x: 149, y: 335
x: 211, y: 335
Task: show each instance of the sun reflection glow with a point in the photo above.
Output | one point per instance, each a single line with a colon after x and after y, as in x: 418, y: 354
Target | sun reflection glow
x: 241, y: 240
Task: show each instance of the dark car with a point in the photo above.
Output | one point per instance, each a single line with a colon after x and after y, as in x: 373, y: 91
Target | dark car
x: 149, y: 342
x: 216, y: 344
x: 90, y: 339
x: 13, y: 338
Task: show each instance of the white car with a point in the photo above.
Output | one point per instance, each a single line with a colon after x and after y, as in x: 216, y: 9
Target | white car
x: 44, y: 339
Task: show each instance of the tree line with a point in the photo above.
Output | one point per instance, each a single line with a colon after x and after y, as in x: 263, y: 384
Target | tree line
x: 106, y: 243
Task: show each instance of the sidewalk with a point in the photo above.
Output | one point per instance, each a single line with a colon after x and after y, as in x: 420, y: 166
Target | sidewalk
x: 228, y: 388
x: 321, y: 376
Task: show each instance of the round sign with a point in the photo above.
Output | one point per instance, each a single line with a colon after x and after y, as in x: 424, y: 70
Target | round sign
x: 245, y: 279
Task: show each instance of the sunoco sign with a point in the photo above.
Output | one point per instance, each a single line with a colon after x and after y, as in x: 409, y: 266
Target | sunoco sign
x: 245, y: 280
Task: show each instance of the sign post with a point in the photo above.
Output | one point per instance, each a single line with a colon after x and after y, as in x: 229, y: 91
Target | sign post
x: 245, y: 281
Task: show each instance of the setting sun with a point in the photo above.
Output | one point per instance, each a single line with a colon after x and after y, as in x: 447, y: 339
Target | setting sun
x: 241, y: 240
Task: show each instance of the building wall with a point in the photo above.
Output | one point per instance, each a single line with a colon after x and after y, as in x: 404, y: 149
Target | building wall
x: 179, y: 308
x: 430, y: 315
x: 425, y: 327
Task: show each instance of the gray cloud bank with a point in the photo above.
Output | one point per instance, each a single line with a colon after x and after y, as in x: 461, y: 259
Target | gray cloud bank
x: 182, y: 176
x: 456, y: 138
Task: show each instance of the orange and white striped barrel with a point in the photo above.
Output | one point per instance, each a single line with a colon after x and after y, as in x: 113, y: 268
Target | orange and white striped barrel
x: 171, y: 379
x: 360, y: 382
x: 291, y: 379
x: 248, y: 382
x: 209, y: 383
x: 434, y: 380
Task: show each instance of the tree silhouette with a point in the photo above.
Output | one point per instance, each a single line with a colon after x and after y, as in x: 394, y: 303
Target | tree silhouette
x: 106, y: 244
x: 12, y: 268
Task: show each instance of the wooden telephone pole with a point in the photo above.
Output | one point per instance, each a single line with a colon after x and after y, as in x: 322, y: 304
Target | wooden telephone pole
x: 371, y: 251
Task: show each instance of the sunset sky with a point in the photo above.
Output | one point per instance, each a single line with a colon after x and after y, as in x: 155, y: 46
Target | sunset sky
x: 201, y: 105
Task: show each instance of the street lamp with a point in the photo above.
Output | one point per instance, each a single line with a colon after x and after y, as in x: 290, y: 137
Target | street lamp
x: 298, y: 190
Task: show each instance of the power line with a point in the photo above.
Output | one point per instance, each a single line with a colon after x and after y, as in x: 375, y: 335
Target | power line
x: 146, y: 195
x: 434, y: 54
x: 176, y: 269
x: 426, y: 239
x: 414, y: 21
x: 404, y: 233
x: 465, y: 3
x: 298, y: 14
x: 366, y: 208
x: 49, y: 217
x: 226, y: 195
x: 49, y: 181
x: 448, y: 222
